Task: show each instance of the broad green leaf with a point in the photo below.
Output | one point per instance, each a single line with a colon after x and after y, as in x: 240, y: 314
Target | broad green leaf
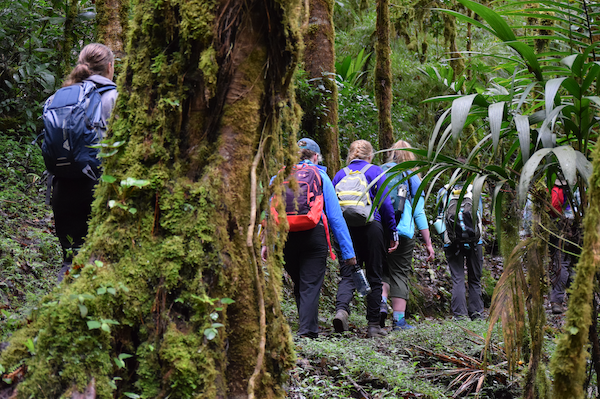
x: 83, y: 310
x: 210, y: 333
x: 496, y: 112
x: 93, y: 324
x: 567, y: 160
x: 572, y: 87
x: 552, y: 87
x: 119, y: 362
x: 108, y: 178
x: 460, y: 110
x: 522, y: 126
x: 529, y: 169
x: 546, y: 131
x: 496, y: 22
x: 441, y: 120
x: 227, y: 301
x: 568, y: 61
x: 584, y: 166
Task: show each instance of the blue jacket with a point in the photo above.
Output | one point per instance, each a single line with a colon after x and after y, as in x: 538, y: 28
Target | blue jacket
x: 332, y: 210
x: 385, y: 212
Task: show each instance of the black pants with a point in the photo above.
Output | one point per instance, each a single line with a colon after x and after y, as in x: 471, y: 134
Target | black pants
x: 72, y: 206
x: 370, y: 248
x: 305, y: 256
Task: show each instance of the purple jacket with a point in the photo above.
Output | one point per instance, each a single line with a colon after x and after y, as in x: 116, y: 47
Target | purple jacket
x: 385, y: 211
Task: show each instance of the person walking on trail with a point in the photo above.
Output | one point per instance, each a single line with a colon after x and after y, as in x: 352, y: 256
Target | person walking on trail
x: 561, y: 246
x: 372, y: 239
x: 305, y: 252
x: 410, y: 211
x: 462, y: 246
x: 72, y: 196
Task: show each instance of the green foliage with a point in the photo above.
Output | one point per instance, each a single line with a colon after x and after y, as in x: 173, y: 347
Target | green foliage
x: 351, y: 70
x: 31, y: 63
x: 29, y: 252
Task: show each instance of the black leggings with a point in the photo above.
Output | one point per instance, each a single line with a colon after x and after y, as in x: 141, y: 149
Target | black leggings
x: 72, y: 206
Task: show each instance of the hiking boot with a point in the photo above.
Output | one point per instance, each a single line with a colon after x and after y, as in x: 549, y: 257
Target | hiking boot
x: 374, y: 331
x: 557, y: 308
x: 477, y: 316
x: 340, y: 321
x: 402, y: 325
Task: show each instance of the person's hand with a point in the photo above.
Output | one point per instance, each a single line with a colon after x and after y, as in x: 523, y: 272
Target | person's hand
x: 351, y: 261
x: 393, y: 246
x: 431, y: 253
x: 263, y: 253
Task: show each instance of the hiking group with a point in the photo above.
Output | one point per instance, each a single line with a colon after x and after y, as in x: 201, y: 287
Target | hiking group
x: 373, y: 241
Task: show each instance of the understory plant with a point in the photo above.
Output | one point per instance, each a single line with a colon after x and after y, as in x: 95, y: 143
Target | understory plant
x: 530, y: 127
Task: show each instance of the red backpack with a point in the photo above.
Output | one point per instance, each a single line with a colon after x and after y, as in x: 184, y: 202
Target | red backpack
x: 304, y: 208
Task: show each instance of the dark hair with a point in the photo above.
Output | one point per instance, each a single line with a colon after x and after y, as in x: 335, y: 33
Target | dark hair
x: 93, y: 60
x: 306, y: 154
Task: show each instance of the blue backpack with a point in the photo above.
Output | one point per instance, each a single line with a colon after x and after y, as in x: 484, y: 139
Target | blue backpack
x: 72, y: 125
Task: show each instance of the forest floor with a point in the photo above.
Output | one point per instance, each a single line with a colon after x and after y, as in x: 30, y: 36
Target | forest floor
x: 441, y: 357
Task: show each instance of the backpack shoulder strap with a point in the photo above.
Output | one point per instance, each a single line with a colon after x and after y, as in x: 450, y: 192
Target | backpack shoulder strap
x: 347, y: 170
x: 365, y: 168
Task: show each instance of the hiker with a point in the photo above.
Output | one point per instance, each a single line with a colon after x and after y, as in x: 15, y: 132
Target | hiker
x: 560, y: 247
x: 397, y: 265
x: 72, y: 196
x: 372, y: 237
x: 462, y: 245
x: 305, y: 252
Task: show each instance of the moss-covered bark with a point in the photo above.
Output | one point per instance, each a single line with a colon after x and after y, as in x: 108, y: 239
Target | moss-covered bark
x: 112, y: 18
x: 383, y: 75
x: 569, y: 361
x: 205, y: 86
x: 69, y: 35
x: 319, y: 62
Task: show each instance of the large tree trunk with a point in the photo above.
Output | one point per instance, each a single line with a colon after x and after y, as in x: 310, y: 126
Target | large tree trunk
x: 570, y: 358
x: 383, y: 75
x: 112, y: 17
x: 205, y: 87
x: 319, y: 61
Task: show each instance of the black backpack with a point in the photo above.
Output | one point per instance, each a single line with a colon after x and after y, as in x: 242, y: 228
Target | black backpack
x: 460, y: 226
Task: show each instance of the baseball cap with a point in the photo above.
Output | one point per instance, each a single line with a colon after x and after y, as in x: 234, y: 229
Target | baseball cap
x: 309, y: 144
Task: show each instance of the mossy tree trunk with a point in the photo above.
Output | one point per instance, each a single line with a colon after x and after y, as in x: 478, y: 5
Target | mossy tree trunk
x: 319, y: 61
x: 71, y: 7
x: 383, y: 75
x: 569, y: 360
x: 205, y: 87
x: 112, y: 18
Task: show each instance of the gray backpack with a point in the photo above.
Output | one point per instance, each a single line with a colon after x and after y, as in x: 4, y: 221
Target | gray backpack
x: 354, y: 197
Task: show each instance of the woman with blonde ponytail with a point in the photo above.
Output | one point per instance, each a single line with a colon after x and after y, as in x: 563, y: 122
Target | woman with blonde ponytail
x: 371, y: 242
